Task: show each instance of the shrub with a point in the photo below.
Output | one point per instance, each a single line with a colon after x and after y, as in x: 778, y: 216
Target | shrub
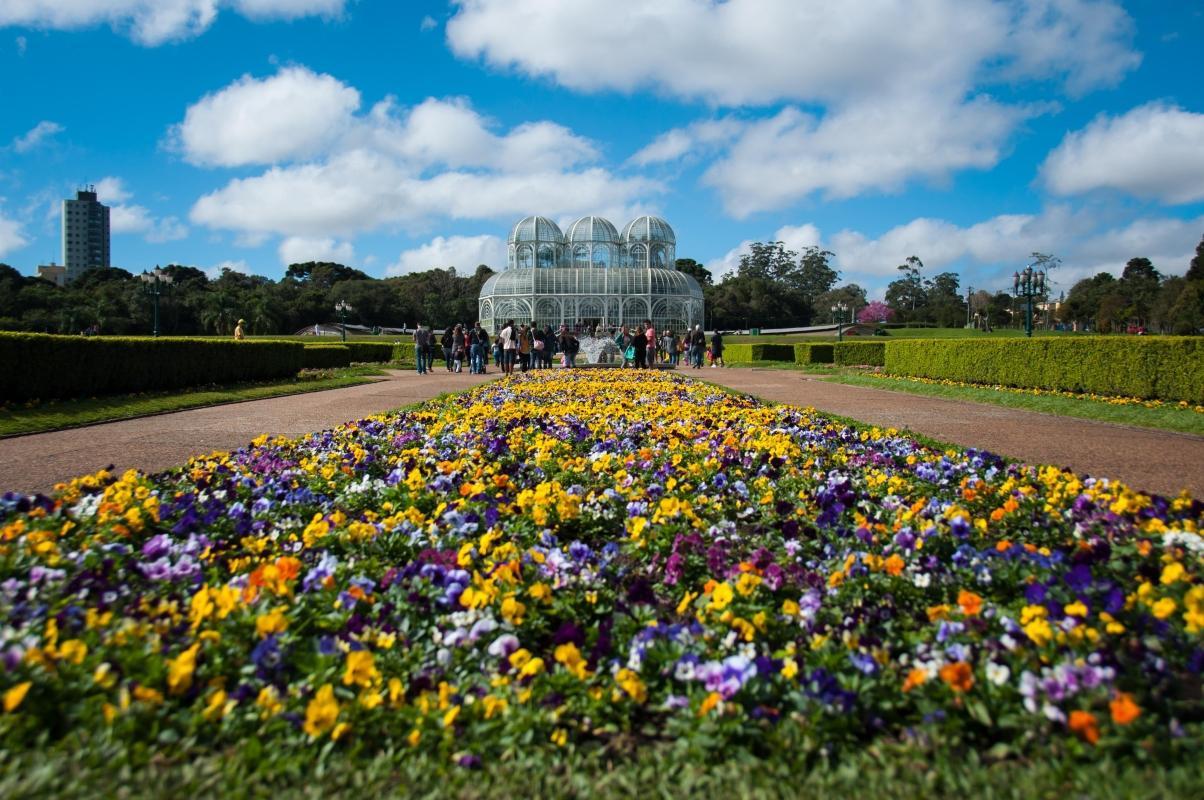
x: 45, y: 367
x: 813, y: 353
x: 741, y: 353
x: 370, y: 352
x: 404, y: 351
x: 1163, y: 367
x: 857, y: 353
x: 327, y: 356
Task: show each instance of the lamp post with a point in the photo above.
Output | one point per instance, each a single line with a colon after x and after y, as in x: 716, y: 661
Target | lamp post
x: 343, y: 307
x: 155, y: 281
x: 838, y: 314
x: 1028, y: 284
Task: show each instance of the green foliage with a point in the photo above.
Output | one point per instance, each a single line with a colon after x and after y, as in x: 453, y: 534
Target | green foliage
x: 859, y: 353
x: 370, y: 352
x: 404, y: 351
x: 38, y: 366
x: 327, y: 356
x: 809, y: 353
x: 743, y: 353
x: 1167, y: 368
x: 115, y: 301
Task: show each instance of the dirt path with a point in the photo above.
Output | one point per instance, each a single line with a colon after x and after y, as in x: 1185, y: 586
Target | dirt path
x: 1151, y: 460
x: 36, y: 462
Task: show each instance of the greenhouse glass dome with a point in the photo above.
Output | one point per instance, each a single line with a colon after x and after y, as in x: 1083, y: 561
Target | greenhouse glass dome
x: 591, y: 277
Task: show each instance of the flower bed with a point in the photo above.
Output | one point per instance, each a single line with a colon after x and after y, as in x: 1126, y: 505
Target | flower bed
x: 570, y: 558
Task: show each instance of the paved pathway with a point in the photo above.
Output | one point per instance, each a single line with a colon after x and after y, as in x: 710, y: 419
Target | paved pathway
x: 1155, y: 461
x: 37, y: 462
x: 1146, y: 459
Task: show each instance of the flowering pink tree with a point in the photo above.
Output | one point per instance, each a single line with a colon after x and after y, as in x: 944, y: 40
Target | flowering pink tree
x: 876, y: 311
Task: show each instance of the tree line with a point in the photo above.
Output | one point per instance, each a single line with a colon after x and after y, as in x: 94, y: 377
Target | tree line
x: 116, y: 302
x: 772, y: 287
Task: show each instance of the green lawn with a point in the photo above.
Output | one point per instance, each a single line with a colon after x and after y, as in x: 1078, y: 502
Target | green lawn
x: 51, y: 416
x: 107, y: 769
x: 1167, y: 417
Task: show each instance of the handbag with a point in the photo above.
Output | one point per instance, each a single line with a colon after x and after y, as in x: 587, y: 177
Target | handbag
x: 629, y: 354
x: 539, y: 344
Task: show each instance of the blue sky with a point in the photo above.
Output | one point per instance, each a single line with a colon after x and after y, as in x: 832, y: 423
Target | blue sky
x: 403, y: 136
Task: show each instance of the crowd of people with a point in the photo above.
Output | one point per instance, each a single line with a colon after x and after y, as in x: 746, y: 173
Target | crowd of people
x: 529, y: 347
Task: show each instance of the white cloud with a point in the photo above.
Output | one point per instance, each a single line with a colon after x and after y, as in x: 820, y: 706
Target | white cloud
x: 462, y: 252
x: 300, y: 249
x: 131, y: 218
x: 36, y: 135
x: 292, y: 114
x: 22, y: 45
x: 873, y: 146
x: 395, y: 167
x: 878, y: 94
x: 698, y: 136
x: 1153, y: 151
x: 11, y: 236
x: 428, y: 24
x: 760, y: 51
x: 111, y: 189
x: 152, y: 22
x: 217, y: 269
x: 289, y: 9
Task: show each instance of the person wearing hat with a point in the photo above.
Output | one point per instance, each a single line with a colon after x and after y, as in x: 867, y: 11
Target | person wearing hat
x: 238, y: 334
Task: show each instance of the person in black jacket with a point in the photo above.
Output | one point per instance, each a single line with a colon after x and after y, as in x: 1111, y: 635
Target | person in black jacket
x: 446, y: 341
x: 717, y: 350
x: 698, y: 341
x: 639, y: 344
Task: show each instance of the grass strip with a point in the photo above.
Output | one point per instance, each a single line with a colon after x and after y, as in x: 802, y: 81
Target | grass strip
x: 107, y: 769
x: 53, y: 416
x: 1168, y: 417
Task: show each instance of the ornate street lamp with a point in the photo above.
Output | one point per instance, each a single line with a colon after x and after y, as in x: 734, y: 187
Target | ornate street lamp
x: 1028, y: 284
x: 155, y: 281
x: 343, y: 307
x: 838, y: 315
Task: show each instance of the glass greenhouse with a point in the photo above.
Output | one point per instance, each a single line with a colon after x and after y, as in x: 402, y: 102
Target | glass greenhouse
x: 592, y: 276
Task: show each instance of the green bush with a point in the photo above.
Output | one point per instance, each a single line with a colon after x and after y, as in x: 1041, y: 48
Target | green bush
x: 1163, y: 367
x: 743, y: 353
x: 370, y: 352
x: 404, y: 351
x: 812, y: 353
x: 37, y: 366
x: 327, y: 356
x: 858, y: 353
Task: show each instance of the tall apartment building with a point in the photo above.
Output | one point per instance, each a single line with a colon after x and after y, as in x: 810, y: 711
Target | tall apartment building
x: 85, y: 233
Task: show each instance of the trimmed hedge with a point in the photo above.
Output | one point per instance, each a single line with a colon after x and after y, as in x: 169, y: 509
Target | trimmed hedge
x: 327, y: 356
x: 857, y: 353
x: 38, y: 366
x: 808, y: 353
x: 369, y: 352
x: 1163, y: 367
x: 404, y: 351
x: 758, y: 352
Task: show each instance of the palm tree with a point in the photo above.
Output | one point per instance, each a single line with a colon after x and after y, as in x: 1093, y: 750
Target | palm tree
x: 219, y: 313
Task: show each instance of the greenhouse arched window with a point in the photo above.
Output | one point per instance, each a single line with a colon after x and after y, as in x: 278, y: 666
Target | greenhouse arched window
x: 601, y: 256
x: 580, y: 256
x: 524, y: 256
x: 639, y: 256
x: 546, y: 259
